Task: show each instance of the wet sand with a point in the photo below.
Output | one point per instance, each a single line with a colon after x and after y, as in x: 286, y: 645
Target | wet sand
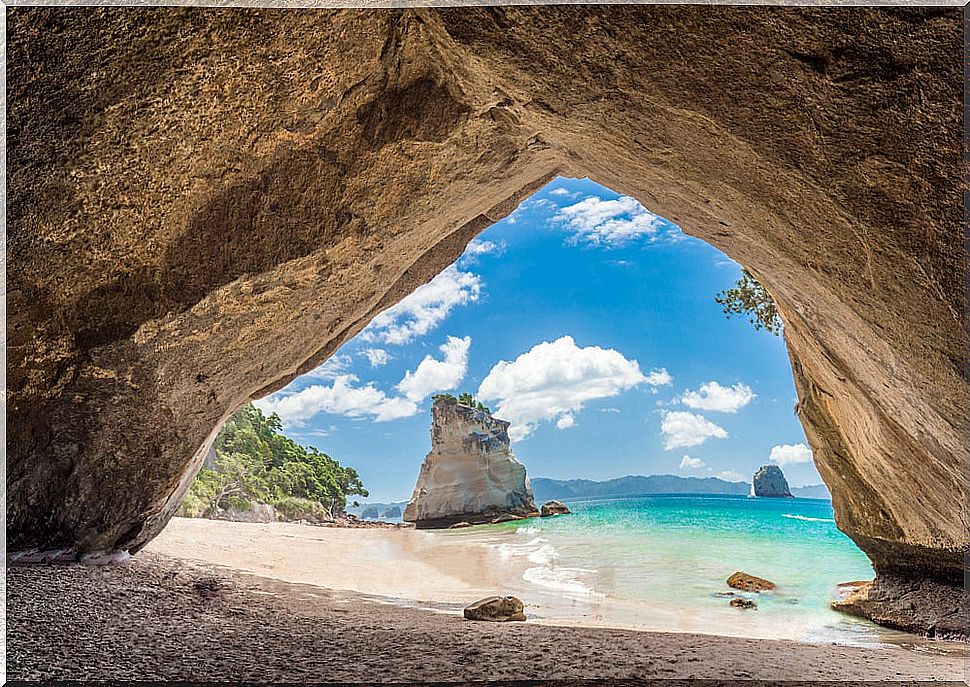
x: 165, y: 618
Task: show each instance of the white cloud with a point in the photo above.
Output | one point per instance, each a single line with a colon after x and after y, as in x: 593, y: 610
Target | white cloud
x: 376, y: 356
x: 713, y: 396
x: 683, y: 429
x: 659, y: 377
x: 559, y: 192
x: 565, y: 422
x: 424, y: 309
x: 691, y: 463
x: 342, y: 397
x: 609, y: 410
x: 787, y: 454
x: 332, y: 367
x: 437, y: 375
x: 608, y: 223
x: 731, y: 476
x: 553, y: 380
x: 479, y: 247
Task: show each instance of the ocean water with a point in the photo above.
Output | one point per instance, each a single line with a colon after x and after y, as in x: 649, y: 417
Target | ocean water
x: 660, y: 563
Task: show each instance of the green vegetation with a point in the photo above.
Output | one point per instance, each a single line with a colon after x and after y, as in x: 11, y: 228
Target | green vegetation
x: 464, y: 399
x: 749, y: 297
x: 256, y: 463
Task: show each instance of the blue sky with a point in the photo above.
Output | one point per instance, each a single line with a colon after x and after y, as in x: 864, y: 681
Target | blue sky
x: 587, y: 322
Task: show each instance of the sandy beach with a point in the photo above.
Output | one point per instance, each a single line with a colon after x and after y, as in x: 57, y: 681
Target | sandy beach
x: 252, y: 606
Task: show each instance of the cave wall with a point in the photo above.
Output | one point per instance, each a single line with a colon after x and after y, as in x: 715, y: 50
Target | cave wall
x: 203, y: 204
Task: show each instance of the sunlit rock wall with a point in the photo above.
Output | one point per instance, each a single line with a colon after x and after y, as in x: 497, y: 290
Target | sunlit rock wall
x: 204, y: 203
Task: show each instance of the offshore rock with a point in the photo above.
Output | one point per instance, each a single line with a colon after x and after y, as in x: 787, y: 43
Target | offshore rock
x: 470, y: 474
x: 496, y: 609
x: 554, y: 508
x: 769, y: 480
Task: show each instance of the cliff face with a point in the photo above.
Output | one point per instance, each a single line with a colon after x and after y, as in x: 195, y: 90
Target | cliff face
x: 205, y: 203
x: 769, y: 480
x: 470, y: 474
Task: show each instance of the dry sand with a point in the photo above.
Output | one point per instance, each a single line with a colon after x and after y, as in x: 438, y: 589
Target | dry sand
x: 165, y: 618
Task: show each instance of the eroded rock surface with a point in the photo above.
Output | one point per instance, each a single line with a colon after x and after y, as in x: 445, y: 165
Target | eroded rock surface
x: 770, y: 481
x: 470, y: 475
x: 204, y: 203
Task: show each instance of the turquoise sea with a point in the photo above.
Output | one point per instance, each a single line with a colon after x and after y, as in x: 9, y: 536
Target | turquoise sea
x: 660, y: 562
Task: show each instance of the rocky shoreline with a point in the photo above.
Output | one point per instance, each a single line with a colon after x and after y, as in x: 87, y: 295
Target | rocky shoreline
x: 163, y: 618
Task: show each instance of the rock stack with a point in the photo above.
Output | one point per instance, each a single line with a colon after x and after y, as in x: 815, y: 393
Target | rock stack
x: 769, y: 480
x: 470, y: 475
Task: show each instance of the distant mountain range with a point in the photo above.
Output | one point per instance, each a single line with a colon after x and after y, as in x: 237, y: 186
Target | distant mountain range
x: 811, y: 491
x: 546, y: 489
x: 634, y: 485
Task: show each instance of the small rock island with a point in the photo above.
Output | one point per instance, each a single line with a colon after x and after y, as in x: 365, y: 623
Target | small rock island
x: 770, y: 481
x: 470, y: 475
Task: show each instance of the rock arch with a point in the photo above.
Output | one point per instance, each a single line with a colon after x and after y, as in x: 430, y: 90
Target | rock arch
x: 205, y: 203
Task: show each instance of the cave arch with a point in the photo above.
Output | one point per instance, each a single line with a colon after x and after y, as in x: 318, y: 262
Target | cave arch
x: 354, y: 155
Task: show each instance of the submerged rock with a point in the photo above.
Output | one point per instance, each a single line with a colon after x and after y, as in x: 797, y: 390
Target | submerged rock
x: 554, y: 508
x: 470, y: 474
x: 769, y: 480
x: 749, y: 583
x: 496, y: 609
x: 741, y: 602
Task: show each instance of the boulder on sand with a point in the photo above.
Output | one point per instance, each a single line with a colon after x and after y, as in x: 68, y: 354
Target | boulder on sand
x: 749, y: 583
x: 554, y: 508
x: 496, y: 609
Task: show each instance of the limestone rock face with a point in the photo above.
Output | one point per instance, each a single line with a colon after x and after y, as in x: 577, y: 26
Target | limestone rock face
x: 769, y: 480
x: 204, y: 203
x: 470, y: 475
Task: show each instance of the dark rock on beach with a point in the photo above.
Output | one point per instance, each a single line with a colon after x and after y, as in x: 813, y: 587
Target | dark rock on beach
x: 496, y: 609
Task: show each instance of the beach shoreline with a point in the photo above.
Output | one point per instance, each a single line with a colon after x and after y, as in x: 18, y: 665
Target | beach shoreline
x: 163, y: 618
x: 446, y: 570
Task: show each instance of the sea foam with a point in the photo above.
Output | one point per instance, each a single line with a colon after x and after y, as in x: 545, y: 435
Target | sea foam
x: 806, y: 518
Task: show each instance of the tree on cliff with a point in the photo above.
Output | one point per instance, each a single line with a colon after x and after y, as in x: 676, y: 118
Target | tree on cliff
x: 749, y: 297
x: 256, y: 462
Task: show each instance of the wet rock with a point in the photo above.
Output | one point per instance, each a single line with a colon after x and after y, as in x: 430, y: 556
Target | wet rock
x: 459, y: 525
x: 741, y: 602
x: 749, y: 583
x: 770, y: 481
x: 923, y: 607
x: 496, y: 609
x: 507, y: 517
x: 554, y: 508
